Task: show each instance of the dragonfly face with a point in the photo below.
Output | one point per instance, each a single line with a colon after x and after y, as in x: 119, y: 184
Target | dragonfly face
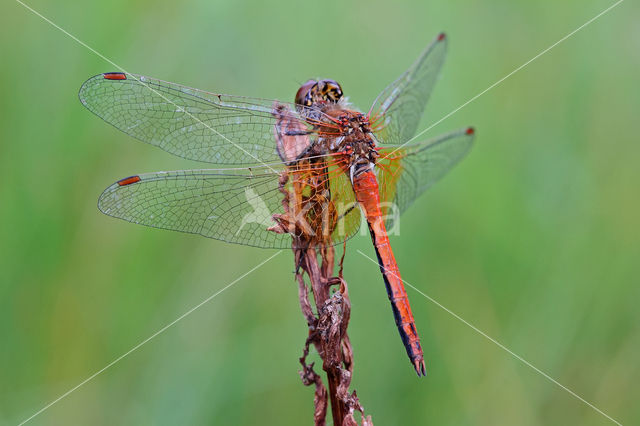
x: 316, y: 92
x: 326, y: 154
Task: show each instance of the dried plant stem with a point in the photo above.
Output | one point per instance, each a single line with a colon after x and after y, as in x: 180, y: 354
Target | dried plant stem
x: 327, y: 314
x: 328, y: 334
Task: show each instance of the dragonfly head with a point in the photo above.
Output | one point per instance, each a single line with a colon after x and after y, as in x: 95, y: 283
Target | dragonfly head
x: 319, y: 92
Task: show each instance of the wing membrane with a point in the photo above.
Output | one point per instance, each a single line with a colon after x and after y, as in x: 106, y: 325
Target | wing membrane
x: 187, y: 122
x: 397, y: 111
x: 233, y: 207
x: 405, y: 173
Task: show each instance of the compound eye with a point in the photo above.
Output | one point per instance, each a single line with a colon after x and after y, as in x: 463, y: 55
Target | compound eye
x: 303, y: 97
x: 332, y: 90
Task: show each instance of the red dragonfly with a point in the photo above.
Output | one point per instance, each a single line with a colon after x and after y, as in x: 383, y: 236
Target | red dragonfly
x: 319, y: 141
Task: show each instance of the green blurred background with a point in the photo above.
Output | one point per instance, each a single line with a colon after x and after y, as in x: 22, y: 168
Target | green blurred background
x: 533, y: 238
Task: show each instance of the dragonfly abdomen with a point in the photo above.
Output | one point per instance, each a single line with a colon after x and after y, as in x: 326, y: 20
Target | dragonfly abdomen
x: 365, y: 186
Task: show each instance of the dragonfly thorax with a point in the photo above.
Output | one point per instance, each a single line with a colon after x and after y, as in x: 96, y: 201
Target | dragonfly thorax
x: 355, y: 142
x: 348, y: 123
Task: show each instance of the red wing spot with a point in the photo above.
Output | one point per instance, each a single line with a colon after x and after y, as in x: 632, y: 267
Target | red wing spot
x: 115, y: 76
x: 128, y: 180
x: 470, y: 131
x: 441, y: 36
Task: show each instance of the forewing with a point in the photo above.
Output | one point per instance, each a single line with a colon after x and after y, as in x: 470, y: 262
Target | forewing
x: 187, y: 122
x: 397, y: 111
x: 405, y: 173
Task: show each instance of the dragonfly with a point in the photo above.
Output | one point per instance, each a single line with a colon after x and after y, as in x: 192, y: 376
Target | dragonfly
x: 338, y: 164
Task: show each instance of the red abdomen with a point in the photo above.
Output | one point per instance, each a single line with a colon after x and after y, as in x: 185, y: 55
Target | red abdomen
x: 365, y: 187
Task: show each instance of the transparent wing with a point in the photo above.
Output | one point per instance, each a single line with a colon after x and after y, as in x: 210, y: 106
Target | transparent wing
x: 233, y: 207
x: 405, y: 173
x: 397, y: 111
x: 187, y: 122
